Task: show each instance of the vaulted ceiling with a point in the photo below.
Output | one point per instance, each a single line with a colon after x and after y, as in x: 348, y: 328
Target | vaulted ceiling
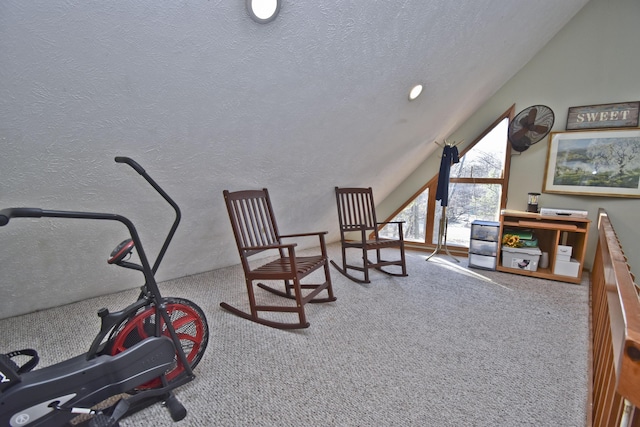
x: 207, y: 99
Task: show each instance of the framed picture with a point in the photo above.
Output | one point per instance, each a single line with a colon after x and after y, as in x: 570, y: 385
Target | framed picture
x: 594, y: 163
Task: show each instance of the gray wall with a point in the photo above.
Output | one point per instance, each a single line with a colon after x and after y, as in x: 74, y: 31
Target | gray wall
x: 592, y: 60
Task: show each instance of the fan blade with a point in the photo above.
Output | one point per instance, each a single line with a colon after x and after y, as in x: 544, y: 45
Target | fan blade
x: 539, y: 129
x: 519, y: 134
x: 529, y: 119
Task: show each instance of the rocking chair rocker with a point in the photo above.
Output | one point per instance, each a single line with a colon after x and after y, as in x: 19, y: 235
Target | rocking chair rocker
x: 255, y: 230
x: 357, y: 217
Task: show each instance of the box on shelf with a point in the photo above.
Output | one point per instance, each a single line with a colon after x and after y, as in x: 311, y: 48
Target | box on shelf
x: 485, y: 230
x: 482, y: 261
x: 563, y: 253
x: 521, y: 258
x: 564, y: 250
x: 569, y: 268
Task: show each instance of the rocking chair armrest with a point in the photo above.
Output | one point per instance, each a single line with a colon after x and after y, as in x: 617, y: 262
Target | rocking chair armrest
x: 319, y: 234
x: 265, y: 247
x: 398, y: 223
x: 390, y: 222
x: 316, y: 233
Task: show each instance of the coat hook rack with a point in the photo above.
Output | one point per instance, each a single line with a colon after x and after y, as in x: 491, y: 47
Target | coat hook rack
x: 449, y: 156
x: 447, y: 143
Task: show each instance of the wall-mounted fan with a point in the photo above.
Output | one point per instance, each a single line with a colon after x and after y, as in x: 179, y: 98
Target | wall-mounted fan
x: 530, y: 126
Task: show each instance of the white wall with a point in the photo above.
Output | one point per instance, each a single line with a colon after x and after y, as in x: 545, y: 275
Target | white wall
x: 593, y: 60
x: 206, y: 99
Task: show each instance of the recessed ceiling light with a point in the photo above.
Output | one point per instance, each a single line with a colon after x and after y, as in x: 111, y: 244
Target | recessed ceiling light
x: 415, y: 92
x: 263, y: 11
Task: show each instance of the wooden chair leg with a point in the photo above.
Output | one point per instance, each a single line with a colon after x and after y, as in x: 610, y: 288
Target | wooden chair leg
x: 252, y: 298
x: 365, y: 265
x: 327, y: 278
x: 297, y: 290
x: 327, y: 286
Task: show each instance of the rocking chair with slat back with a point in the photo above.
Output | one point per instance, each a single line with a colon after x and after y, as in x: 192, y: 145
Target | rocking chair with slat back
x: 357, y: 218
x: 255, y: 230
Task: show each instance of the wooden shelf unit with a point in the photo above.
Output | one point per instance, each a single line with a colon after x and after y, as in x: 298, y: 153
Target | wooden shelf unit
x: 550, y: 231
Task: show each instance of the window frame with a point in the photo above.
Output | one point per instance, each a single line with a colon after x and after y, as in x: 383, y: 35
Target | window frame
x: 431, y: 185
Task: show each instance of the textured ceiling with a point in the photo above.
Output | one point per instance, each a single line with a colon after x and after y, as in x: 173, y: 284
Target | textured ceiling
x: 206, y: 99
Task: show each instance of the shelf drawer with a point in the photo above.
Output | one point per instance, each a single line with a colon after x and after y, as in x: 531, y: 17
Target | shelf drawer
x: 485, y: 230
x: 482, y: 261
x: 482, y: 247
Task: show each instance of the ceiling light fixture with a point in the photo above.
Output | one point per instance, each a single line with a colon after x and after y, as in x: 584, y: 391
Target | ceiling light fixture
x: 415, y: 92
x: 263, y: 11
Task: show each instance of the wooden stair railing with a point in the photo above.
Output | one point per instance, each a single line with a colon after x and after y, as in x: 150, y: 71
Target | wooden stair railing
x: 615, y: 334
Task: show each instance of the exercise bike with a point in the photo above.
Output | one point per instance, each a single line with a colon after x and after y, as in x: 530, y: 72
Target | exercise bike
x: 139, y: 357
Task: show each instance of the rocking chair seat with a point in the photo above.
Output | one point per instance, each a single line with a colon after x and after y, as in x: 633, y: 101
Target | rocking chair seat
x: 373, y: 244
x: 281, y: 268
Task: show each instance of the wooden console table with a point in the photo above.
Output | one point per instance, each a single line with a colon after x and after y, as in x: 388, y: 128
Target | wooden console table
x: 551, y: 231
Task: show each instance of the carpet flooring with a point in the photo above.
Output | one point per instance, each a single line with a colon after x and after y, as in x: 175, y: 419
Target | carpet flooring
x: 445, y: 346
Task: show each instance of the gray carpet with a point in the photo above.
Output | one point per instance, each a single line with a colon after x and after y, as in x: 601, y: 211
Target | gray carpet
x: 446, y: 346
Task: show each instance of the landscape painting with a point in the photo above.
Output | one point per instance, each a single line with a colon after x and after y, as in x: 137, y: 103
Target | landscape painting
x: 595, y: 163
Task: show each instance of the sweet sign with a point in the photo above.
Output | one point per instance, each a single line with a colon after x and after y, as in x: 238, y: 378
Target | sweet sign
x: 624, y: 114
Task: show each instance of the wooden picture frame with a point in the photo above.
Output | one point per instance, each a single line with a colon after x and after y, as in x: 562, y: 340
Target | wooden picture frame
x: 593, y: 163
x: 601, y: 116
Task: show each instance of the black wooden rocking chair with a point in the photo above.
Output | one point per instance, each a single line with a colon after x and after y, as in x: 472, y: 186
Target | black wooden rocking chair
x: 357, y: 217
x: 255, y: 230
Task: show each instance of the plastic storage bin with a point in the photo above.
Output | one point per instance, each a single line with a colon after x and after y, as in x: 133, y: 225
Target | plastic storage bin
x: 521, y: 258
x: 483, y: 247
x: 485, y: 230
x: 482, y: 261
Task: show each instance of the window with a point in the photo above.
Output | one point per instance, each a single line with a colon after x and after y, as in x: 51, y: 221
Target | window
x: 477, y: 191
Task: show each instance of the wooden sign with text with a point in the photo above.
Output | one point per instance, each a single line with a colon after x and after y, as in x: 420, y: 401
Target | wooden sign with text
x: 620, y: 115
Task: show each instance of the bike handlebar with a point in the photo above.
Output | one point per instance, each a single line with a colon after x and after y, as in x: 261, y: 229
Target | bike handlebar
x: 132, y: 163
x: 143, y: 173
x: 7, y: 214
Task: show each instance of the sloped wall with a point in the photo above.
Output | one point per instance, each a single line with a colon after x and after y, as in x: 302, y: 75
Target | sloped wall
x: 206, y: 99
x: 592, y: 60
